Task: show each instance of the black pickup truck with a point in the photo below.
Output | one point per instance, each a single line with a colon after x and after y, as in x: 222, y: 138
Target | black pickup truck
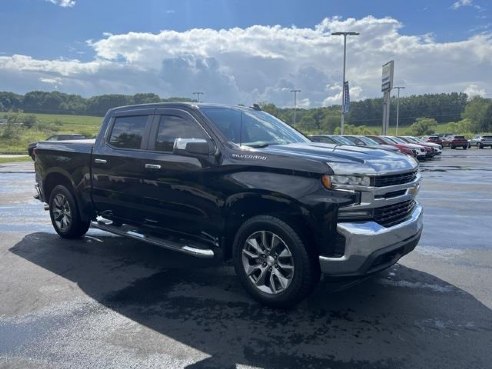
x: 235, y: 183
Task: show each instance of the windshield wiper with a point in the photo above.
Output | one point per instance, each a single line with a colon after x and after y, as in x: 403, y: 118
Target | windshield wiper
x: 259, y: 146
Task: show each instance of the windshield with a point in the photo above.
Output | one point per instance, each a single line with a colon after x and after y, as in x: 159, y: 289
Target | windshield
x: 342, y: 140
x: 252, y: 127
x: 411, y: 139
x: 367, y: 140
x: 396, y: 139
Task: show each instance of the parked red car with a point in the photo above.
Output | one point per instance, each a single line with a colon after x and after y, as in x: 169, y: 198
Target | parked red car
x: 412, y: 150
x: 435, y: 139
x: 458, y: 141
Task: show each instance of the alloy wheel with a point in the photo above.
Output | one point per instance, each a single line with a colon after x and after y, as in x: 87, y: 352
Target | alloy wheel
x: 268, y: 262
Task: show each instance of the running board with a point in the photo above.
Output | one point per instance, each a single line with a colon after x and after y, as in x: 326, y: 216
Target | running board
x: 131, y: 232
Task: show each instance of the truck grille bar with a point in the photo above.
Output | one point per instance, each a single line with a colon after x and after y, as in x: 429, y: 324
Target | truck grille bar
x: 390, y: 215
x: 394, y: 179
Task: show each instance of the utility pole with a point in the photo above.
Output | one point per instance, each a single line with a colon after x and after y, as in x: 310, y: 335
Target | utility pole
x: 295, y: 103
x: 397, y: 107
x: 344, y: 34
x: 197, y: 94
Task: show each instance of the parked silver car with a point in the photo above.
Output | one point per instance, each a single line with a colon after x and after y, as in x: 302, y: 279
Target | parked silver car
x: 481, y: 141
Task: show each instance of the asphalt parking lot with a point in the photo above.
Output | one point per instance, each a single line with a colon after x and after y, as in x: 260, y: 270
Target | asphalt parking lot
x: 108, y: 302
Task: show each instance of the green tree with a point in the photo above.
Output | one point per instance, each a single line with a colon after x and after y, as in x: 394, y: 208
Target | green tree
x: 478, y: 111
x: 29, y: 120
x: 423, y: 126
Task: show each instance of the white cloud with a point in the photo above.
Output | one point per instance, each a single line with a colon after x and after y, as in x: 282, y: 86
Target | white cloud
x: 475, y: 90
x: 263, y: 63
x: 63, y: 3
x: 461, y: 3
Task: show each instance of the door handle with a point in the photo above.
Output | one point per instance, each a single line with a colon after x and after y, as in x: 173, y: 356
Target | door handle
x: 100, y: 161
x: 152, y: 166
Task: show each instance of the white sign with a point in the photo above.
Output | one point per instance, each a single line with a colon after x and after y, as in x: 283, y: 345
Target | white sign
x: 387, y: 76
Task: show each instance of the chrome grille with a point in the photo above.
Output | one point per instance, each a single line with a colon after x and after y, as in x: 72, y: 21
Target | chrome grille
x: 394, y: 179
x: 390, y: 215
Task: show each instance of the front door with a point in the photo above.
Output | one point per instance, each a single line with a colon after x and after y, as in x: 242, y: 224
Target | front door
x: 179, y: 187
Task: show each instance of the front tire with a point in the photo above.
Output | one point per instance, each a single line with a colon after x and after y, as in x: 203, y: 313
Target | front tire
x: 64, y: 214
x: 273, y: 263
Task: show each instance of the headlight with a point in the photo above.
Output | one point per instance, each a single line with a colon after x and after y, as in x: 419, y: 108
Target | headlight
x: 339, y: 180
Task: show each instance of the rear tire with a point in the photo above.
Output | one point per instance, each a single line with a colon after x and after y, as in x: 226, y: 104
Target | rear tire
x: 64, y: 214
x: 273, y: 263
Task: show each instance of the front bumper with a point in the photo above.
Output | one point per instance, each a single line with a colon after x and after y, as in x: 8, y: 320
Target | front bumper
x: 370, y: 247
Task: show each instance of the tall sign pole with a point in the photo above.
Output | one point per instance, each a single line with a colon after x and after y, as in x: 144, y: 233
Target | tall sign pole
x: 344, y: 83
x: 386, y: 85
x: 397, y: 107
x: 295, y: 91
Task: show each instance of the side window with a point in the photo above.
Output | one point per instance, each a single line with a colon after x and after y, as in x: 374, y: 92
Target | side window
x: 172, y: 127
x: 127, y: 132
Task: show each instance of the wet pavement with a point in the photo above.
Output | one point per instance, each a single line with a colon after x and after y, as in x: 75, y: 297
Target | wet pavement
x: 109, y: 302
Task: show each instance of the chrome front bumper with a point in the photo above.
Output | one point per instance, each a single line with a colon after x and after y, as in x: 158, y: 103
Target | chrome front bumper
x: 370, y: 247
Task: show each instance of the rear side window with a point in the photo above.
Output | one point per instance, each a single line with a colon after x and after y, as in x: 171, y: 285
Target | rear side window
x: 172, y: 127
x: 128, y: 132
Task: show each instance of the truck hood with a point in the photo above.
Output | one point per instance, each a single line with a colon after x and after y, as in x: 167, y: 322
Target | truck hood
x: 350, y: 160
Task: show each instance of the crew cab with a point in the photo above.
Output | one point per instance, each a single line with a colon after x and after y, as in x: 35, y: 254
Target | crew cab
x: 236, y: 183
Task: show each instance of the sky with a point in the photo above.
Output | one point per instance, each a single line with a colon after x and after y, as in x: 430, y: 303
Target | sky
x: 245, y: 51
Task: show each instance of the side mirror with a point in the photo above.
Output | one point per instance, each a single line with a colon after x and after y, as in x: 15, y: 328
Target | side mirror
x: 195, y: 146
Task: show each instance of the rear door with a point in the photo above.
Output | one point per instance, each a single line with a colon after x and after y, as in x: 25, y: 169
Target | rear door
x: 118, y: 165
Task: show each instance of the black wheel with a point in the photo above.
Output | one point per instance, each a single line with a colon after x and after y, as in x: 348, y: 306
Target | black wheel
x: 480, y: 146
x: 452, y: 147
x: 64, y: 214
x: 273, y: 263
x: 465, y: 147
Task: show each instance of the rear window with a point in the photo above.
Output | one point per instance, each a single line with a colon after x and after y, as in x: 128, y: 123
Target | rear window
x: 459, y: 137
x: 127, y: 132
x: 489, y: 137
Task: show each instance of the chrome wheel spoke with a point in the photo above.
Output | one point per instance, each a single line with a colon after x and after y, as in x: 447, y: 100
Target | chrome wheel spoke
x: 286, y: 267
x: 264, y: 241
x: 285, y: 253
x: 260, y: 280
x: 254, y: 245
x: 250, y: 255
x: 284, y: 282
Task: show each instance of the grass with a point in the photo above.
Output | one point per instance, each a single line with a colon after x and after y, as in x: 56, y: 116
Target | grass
x: 15, y: 159
x: 14, y: 138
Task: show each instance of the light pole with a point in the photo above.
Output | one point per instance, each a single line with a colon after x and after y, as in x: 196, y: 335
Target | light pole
x: 397, y: 107
x: 197, y: 94
x: 295, y: 104
x: 344, y: 34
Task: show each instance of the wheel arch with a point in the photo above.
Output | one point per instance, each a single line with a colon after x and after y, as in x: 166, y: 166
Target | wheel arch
x: 242, y: 207
x: 54, y: 179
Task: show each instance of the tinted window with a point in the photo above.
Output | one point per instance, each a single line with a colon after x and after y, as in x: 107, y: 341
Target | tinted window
x: 252, y: 128
x: 172, y: 127
x: 127, y: 132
